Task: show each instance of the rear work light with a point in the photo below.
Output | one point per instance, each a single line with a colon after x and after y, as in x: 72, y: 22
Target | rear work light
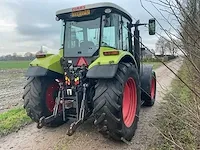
x: 40, y: 55
x: 109, y: 53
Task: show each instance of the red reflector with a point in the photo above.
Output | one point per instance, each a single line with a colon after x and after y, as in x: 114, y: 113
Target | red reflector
x: 108, y: 53
x: 40, y: 55
x: 76, y: 82
x: 81, y: 61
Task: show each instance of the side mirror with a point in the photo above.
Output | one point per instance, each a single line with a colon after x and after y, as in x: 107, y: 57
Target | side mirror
x: 152, y: 27
x: 142, y: 49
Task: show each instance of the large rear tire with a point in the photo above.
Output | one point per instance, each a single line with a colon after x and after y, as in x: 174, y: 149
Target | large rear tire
x: 117, y: 103
x: 39, y: 99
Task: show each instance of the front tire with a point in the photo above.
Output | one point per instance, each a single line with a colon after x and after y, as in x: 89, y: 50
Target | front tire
x: 117, y: 103
x: 39, y: 99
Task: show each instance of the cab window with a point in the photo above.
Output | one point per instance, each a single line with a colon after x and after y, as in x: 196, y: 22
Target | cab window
x: 125, y: 34
x: 110, y: 33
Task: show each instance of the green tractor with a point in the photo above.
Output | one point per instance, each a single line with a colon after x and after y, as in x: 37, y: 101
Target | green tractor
x: 97, y: 73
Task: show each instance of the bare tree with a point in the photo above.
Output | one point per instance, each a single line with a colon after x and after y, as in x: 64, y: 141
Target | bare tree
x: 15, y: 54
x: 187, y: 15
x: 161, y: 46
x: 171, y: 47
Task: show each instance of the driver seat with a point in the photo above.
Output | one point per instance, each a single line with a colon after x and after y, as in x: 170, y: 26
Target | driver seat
x: 86, y: 44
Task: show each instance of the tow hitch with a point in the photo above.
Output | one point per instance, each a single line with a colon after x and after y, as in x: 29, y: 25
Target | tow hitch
x: 60, y: 100
x: 81, y: 114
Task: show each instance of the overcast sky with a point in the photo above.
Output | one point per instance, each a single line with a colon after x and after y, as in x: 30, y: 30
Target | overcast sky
x: 25, y: 25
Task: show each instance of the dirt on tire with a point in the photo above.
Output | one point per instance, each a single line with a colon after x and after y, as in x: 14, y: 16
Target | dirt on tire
x: 87, y: 137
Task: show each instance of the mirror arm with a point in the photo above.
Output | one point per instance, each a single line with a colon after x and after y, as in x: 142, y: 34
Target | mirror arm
x: 138, y: 24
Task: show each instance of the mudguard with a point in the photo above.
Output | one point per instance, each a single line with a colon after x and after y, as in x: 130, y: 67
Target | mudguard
x: 146, y: 75
x: 102, y: 71
x: 47, y: 66
x: 106, y: 66
x: 40, y: 71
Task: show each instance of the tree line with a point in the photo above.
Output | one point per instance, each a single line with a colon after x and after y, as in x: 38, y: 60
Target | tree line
x: 27, y: 56
x: 164, y: 46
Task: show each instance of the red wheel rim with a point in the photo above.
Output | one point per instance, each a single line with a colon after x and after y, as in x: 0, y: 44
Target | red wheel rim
x: 153, y: 88
x: 51, y: 94
x: 129, y: 102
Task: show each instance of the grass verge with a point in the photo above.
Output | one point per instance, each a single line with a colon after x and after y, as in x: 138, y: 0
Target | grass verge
x: 13, y: 120
x: 176, y: 123
x: 14, y: 64
x: 155, y: 64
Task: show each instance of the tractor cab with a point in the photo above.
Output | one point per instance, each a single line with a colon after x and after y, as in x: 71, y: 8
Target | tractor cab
x: 89, y: 28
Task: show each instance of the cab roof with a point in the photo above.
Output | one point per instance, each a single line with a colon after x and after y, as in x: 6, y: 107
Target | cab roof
x: 91, y: 6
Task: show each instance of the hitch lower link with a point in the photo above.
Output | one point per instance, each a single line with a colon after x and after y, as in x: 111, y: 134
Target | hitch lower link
x: 81, y: 115
x: 59, y: 100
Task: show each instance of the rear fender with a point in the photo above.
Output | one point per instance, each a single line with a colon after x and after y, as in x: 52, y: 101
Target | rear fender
x: 113, y: 59
x: 40, y: 72
x: 48, y: 65
x: 146, y: 77
x: 106, y: 66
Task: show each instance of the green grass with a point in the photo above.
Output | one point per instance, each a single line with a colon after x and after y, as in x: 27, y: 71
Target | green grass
x: 173, y: 120
x: 155, y: 64
x: 13, y: 120
x: 14, y: 64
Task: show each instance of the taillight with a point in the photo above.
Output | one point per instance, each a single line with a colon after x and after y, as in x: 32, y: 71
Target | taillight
x: 81, y: 61
x: 109, y: 53
x: 67, y: 80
